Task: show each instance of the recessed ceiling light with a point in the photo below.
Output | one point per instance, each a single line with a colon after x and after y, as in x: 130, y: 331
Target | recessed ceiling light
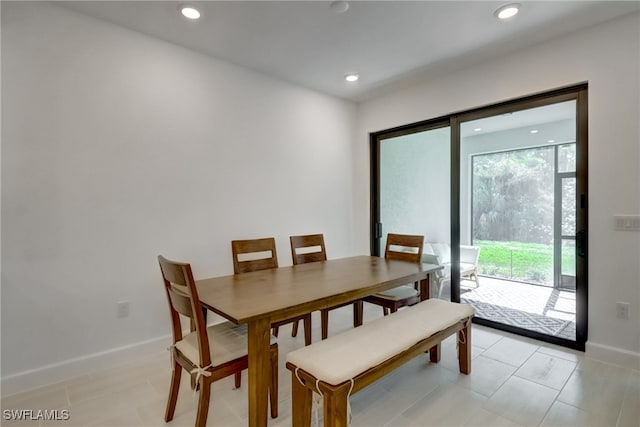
x: 477, y: 129
x: 339, y: 6
x: 533, y: 131
x: 507, y: 11
x: 352, y: 77
x: 189, y: 12
x: 551, y: 141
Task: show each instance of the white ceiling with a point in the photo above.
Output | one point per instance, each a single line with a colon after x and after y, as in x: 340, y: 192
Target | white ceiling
x: 531, y: 118
x: 387, y: 42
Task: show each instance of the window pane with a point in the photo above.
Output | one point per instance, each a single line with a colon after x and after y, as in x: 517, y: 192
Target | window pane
x: 569, y: 207
x: 513, y: 196
x: 567, y: 158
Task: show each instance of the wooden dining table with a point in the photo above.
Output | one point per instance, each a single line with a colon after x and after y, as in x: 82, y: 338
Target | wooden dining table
x: 262, y: 297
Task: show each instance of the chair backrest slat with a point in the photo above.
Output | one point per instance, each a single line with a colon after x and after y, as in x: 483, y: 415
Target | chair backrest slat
x: 180, y: 300
x: 254, y: 246
x: 404, y: 247
x: 312, y: 241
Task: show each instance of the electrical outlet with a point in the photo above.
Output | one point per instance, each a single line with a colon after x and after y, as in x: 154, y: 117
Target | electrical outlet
x: 123, y: 309
x: 622, y: 310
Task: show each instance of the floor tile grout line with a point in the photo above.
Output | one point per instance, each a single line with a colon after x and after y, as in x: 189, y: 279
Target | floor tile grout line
x: 546, y: 414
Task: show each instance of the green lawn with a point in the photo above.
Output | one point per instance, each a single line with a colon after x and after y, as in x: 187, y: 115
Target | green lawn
x: 529, y: 262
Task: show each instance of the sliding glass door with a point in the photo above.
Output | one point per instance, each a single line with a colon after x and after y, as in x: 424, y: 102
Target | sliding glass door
x: 501, y: 192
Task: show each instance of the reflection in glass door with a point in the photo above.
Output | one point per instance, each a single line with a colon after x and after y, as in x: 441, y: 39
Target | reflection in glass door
x: 413, y: 186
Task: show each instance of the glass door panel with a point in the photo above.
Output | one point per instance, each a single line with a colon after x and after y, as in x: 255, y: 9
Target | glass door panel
x: 518, y: 205
x: 414, y: 186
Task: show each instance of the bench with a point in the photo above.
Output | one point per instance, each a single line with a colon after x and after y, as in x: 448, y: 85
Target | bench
x: 346, y: 363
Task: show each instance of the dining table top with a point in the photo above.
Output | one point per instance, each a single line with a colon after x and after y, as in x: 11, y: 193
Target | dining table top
x: 285, y: 292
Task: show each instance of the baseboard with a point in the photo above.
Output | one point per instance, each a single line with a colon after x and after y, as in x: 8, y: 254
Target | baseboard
x: 62, y: 371
x: 613, y: 355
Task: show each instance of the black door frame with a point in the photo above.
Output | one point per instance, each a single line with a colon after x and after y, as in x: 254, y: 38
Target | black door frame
x: 576, y: 92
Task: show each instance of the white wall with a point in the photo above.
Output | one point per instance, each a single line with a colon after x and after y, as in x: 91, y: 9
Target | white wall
x: 608, y: 57
x: 117, y: 147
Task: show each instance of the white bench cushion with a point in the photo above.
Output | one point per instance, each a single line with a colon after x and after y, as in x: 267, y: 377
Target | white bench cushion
x: 227, y: 341
x: 344, y: 356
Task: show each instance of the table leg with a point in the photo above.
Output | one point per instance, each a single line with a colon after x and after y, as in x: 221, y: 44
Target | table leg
x: 425, y: 288
x: 259, y: 371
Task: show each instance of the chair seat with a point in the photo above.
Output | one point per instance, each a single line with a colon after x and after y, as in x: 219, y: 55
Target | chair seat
x: 399, y: 293
x: 227, y: 341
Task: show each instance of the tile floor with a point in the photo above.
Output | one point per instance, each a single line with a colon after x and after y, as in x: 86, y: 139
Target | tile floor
x: 514, y: 382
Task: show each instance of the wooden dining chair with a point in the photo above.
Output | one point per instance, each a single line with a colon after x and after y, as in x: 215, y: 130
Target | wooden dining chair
x: 311, y: 248
x: 260, y: 254
x: 213, y: 352
x: 403, y: 247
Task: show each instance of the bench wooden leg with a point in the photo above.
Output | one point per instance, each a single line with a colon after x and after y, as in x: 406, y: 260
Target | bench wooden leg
x: 335, y: 406
x: 358, y: 309
x: 464, y: 349
x: 435, y: 353
x: 300, y: 403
